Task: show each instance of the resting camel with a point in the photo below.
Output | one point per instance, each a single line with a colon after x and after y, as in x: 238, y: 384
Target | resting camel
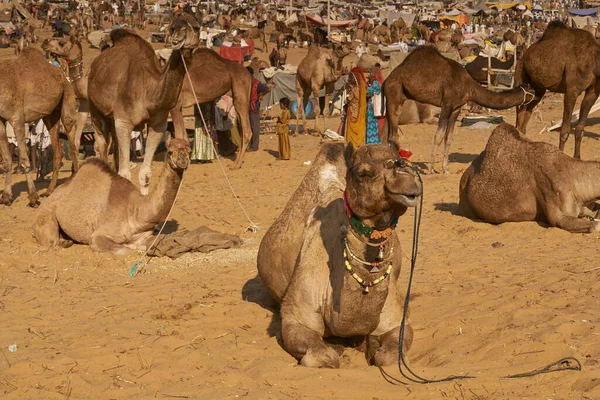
x: 317, y: 69
x: 428, y: 77
x: 225, y: 76
x: 565, y: 60
x: 304, y: 263
x: 516, y: 179
x: 71, y: 51
x: 127, y: 88
x: 32, y: 89
x: 106, y: 211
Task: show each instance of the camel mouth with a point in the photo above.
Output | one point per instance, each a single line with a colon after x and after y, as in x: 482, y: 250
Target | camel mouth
x: 408, y: 200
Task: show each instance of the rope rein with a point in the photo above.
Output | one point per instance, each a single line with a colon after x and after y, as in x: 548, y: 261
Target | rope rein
x: 567, y: 363
x: 253, y: 227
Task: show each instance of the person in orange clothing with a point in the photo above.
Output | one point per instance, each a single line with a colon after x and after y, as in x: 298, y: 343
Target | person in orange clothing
x: 283, y: 129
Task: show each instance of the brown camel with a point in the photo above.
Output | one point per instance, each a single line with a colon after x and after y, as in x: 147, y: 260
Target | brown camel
x: 71, y: 51
x: 397, y: 29
x: 32, y: 89
x: 381, y: 34
x: 513, y: 37
x: 127, y: 88
x: 565, y: 60
x: 258, y: 33
x: 305, y: 259
x: 317, y: 69
x: 106, y: 211
x: 428, y: 77
x: 516, y: 179
x: 225, y: 76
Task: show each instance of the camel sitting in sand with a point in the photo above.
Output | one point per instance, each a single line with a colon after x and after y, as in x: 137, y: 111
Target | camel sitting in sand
x: 516, y: 179
x: 312, y: 259
x: 106, y: 211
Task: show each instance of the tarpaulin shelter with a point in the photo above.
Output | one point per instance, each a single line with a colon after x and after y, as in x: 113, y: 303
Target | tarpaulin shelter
x: 583, y: 13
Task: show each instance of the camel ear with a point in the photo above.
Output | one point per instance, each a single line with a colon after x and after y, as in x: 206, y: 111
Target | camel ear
x: 349, y: 155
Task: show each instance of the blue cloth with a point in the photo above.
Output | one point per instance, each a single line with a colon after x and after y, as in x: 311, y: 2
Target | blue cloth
x: 583, y: 12
x: 372, y: 126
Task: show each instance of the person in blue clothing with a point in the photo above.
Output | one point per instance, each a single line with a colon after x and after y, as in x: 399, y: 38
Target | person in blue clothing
x: 374, y: 89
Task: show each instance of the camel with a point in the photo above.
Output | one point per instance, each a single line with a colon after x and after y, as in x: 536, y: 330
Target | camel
x: 257, y: 33
x: 32, y: 89
x: 381, y: 34
x: 565, y: 60
x: 367, y: 61
x: 317, y: 69
x: 516, y: 179
x: 99, y: 208
x: 397, y: 28
x: 133, y: 91
x: 225, y: 76
x: 513, y: 37
x: 71, y: 51
x: 305, y: 259
x: 475, y: 67
x: 428, y: 77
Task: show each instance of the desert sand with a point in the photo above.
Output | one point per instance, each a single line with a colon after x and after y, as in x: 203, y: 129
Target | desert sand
x: 488, y: 300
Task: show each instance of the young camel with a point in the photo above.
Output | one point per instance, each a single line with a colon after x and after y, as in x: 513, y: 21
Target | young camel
x: 428, y: 77
x: 301, y: 259
x: 32, y: 89
x: 516, y: 179
x: 317, y: 69
x: 106, y: 211
x: 564, y: 60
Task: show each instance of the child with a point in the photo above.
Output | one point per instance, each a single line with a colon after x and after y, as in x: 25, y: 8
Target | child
x: 283, y: 130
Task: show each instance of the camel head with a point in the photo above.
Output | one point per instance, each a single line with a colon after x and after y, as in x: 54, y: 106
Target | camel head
x: 66, y: 48
x: 184, y: 33
x: 178, y: 154
x: 341, y: 50
x: 380, y: 186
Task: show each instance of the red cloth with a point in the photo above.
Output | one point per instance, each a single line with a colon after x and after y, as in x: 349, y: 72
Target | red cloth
x: 358, y: 70
x: 254, y: 94
x: 237, y: 53
x: 377, y: 74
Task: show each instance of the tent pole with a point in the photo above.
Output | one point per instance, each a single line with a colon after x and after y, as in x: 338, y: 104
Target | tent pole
x: 328, y: 18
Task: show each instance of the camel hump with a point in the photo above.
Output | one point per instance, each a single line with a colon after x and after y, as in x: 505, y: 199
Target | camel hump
x: 119, y: 36
x: 554, y: 29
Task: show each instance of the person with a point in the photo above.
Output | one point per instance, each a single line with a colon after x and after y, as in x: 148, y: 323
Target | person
x: 202, y: 146
x: 283, y: 129
x: 257, y: 89
x: 378, y: 109
x: 225, y: 121
x: 453, y: 27
x: 373, y: 90
x: 357, y: 108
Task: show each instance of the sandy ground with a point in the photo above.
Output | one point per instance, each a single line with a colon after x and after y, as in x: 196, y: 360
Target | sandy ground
x: 490, y: 300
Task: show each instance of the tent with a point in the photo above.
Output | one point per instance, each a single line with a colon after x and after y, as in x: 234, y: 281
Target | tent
x: 583, y: 13
x: 21, y: 11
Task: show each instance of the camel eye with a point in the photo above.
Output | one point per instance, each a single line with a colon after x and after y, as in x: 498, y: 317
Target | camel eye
x: 365, y: 174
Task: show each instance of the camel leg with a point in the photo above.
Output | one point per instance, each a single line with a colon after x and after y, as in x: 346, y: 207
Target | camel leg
x: 591, y: 95
x: 6, y: 164
x: 445, y: 114
x: 301, y: 98
x: 394, y: 101
x: 19, y: 129
x: 100, y: 142
x: 243, y: 111
x: 383, y: 350
x: 155, y: 135
x: 178, y: 122
x: 315, y: 91
x: 80, y: 124
x: 524, y: 112
x: 101, y: 242
x: 565, y: 130
x: 52, y: 124
x: 123, y: 130
x: 448, y: 139
x: 307, y: 345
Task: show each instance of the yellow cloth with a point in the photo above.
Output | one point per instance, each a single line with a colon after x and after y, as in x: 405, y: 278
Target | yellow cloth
x: 283, y: 133
x: 356, y: 116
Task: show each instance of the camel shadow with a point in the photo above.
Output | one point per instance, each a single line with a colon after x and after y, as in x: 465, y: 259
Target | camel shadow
x: 463, y: 158
x: 273, y: 153
x: 592, y: 135
x: 170, y: 227
x: 253, y: 291
x: 452, y: 208
x: 40, y: 187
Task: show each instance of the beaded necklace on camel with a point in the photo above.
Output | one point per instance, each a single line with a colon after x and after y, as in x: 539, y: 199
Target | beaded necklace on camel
x: 359, y: 228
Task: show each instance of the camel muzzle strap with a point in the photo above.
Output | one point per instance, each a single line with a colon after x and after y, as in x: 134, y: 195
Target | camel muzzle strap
x: 525, y: 94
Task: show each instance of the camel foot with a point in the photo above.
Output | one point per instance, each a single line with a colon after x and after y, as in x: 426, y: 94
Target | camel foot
x: 234, y: 167
x: 6, y: 199
x: 322, y: 357
x: 65, y: 244
x: 47, y: 193
x: 34, y: 202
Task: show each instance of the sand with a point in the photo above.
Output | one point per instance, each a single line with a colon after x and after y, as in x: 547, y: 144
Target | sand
x: 489, y: 300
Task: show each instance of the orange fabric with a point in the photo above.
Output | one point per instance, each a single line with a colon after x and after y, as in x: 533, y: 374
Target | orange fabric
x: 356, y: 116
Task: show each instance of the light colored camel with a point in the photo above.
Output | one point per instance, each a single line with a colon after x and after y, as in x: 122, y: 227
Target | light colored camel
x: 516, y: 179
x: 32, y: 89
x: 565, y: 60
x: 303, y: 262
x: 317, y: 69
x: 428, y: 77
x: 71, y: 51
x: 367, y: 61
x: 225, y: 76
x: 106, y: 211
x: 127, y: 88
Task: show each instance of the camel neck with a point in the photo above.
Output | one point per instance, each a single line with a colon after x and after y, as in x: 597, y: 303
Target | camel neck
x: 171, y: 82
x: 586, y: 180
x: 155, y: 207
x: 496, y: 100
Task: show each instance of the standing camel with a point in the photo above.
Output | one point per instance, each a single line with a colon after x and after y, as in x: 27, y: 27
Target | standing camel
x: 224, y: 76
x: 72, y: 52
x: 32, y: 89
x: 428, y: 77
x: 565, y: 60
x: 128, y: 88
x: 317, y: 69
